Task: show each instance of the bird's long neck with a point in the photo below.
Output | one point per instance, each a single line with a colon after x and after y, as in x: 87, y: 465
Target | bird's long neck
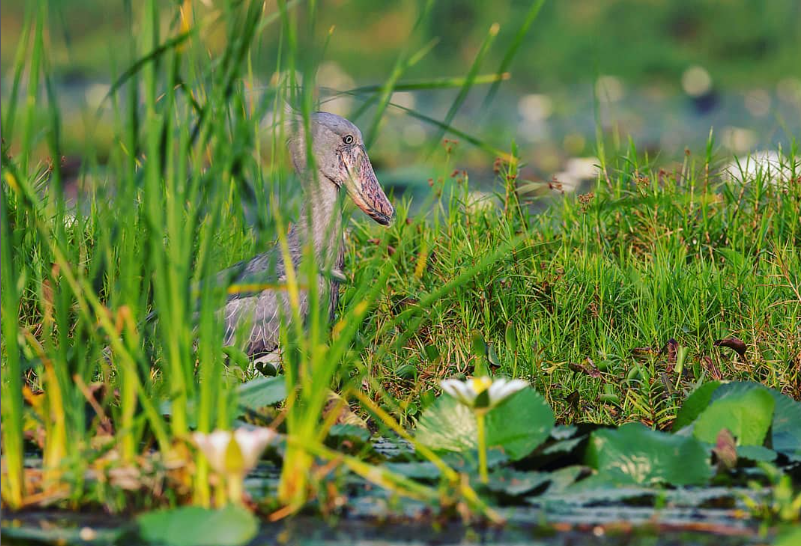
x: 320, y: 223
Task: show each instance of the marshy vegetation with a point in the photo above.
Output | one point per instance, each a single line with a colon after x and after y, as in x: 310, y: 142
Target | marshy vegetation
x: 652, y: 318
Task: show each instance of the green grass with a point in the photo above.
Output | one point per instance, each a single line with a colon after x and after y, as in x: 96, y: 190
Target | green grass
x: 648, y: 257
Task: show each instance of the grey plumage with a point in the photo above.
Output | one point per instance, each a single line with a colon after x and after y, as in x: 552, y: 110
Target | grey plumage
x: 252, y: 318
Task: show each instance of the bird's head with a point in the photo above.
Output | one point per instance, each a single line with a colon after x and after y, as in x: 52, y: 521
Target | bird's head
x: 341, y: 160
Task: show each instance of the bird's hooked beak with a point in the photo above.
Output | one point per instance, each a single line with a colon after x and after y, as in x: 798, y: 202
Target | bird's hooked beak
x: 363, y: 186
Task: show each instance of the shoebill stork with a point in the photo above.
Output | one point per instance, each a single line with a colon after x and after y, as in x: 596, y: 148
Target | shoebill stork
x: 252, y: 319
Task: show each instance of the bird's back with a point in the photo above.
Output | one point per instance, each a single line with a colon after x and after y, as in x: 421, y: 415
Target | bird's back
x: 258, y: 298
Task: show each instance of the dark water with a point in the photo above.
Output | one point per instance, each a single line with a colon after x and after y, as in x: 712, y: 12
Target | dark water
x: 524, y: 528
x: 373, y: 517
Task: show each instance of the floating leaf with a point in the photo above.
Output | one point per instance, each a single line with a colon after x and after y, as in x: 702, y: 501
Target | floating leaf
x: 521, y: 424
x: 417, y: 470
x: 791, y: 536
x: 565, y: 477
x: 563, y: 446
x: 196, y: 526
x: 786, y: 420
x: 350, y: 431
x: 517, y: 427
x: 447, y: 425
x: 56, y: 534
x: 786, y: 426
x: 466, y: 462
x: 695, y: 404
x: 591, y: 492
x: 515, y: 482
x: 756, y: 453
x: 261, y: 392
x: 563, y: 432
x: 636, y: 455
x: 747, y: 415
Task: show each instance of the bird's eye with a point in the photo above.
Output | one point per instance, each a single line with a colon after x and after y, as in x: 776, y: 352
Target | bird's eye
x: 348, y: 139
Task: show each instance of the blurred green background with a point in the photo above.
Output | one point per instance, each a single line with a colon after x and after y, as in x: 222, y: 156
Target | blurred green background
x: 664, y: 71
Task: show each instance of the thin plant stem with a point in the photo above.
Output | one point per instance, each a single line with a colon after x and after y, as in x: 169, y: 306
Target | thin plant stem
x: 236, y: 488
x: 482, y: 446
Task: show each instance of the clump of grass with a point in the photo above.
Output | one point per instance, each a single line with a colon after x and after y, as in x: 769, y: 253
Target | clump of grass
x: 562, y: 297
x: 586, y: 307
x: 163, y: 214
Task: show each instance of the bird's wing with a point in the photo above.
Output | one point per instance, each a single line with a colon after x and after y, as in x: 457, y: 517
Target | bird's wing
x: 249, y: 277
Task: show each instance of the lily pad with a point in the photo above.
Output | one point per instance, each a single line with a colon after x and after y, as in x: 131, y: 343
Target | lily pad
x: 565, y: 446
x: 261, y: 392
x: 563, y: 432
x: 747, y: 415
x: 756, y: 453
x: 636, y: 455
x: 350, y: 431
x: 419, y: 470
x: 63, y: 535
x: 786, y: 426
x: 517, y: 427
x: 515, y: 482
x: 695, y: 404
x: 564, y: 477
x: 466, y: 462
x: 791, y: 536
x: 196, y: 526
x: 521, y: 424
x: 447, y: 425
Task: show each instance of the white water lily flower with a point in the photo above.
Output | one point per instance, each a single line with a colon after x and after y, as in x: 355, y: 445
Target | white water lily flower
x: 482, y: 392
x: 234, y: 452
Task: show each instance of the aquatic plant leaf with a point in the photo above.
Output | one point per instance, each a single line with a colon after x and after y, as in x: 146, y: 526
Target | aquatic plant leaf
x: 785, y: 429
x: 594, y: 491
x: 565, y: 477
x: 261, y: 392
x: 786, y: 426
x: 521, y: 424
x: 636, y: 455
x: 447, y: 425
x: 516, y: 482
x: 196, y: 526
x: 62, y: 535
x: 756, y: 453
x: 466, y: 462
x: 517, y: 426
x: 790, y: 536
x: 418, y: 470
x: 563, y: 432
x: 695, y: 404
x: 564, y: 446
x: 350, y: 431
x: 747, y: 415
